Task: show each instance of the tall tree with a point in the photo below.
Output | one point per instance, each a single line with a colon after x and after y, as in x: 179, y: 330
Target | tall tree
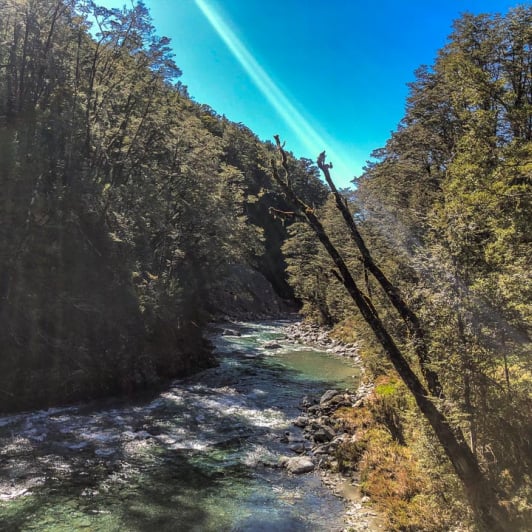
x: 480, y: 493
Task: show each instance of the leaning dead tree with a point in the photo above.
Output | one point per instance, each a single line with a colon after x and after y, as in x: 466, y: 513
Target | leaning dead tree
x: 490, y: 514
x: 394, y: 296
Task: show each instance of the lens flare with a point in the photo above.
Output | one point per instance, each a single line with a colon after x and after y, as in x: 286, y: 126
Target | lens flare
x: 298, y: 124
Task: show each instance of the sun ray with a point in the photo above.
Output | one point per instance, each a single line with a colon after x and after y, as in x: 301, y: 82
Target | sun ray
x: 293, y: 118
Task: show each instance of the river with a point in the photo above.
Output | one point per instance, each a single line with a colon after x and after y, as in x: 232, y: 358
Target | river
x: 200, y: 456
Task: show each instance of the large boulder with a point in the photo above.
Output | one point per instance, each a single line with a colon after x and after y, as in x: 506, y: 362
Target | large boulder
x: 298, y: 464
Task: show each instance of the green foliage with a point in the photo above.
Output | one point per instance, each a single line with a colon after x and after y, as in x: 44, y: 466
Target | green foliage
x: 310, y: 269
x: 473, y: 246
x: 124, y: 205
x: 445, y: 209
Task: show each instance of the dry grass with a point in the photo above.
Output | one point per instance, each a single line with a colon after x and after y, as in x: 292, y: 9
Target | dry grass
x: 391, y: 473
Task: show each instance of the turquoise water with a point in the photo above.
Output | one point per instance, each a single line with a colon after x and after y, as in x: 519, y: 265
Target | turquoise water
x: 198, y: 457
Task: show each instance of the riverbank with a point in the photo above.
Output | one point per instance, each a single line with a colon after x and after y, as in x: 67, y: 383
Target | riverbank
x: 326, y: 432
x: 315, y: 336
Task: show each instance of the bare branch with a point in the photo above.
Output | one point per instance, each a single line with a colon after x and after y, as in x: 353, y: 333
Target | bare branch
x: 407, y: 314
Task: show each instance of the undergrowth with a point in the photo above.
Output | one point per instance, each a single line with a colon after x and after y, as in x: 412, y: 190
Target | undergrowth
x: 399, y: 468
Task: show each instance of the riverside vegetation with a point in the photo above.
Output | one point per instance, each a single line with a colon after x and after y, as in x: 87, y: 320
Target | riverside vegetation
x: 133, y: 215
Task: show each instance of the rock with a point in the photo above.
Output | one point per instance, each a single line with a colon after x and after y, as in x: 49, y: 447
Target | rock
x: 328, y: 395
x: 335, y: 402
x: 301, y: 421
x: 321, y: 449
x: 246, y: 294
x: 295, y: 438
x: 307, y: 401
x: 323, y: 434
x: 283, y: 460
x: 299, y: 465
x: 337, y: 441
x: 299, y: 447
x: 272, y: 345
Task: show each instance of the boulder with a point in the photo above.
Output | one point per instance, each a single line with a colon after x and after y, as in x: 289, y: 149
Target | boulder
x: 299, y: 447
x: 284, y: 437
x: 301, y: 421
x: 272, y: 345
x: 328, y: 395
x: 323, y: 434
x: 307, y: 401
x: 295, y: 438
x: 336, y: 401
x: 299, y: 465
x: 320, y: 449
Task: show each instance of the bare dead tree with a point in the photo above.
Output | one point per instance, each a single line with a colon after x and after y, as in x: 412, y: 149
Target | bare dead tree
x: 392, y: 292
x: 490, y: 514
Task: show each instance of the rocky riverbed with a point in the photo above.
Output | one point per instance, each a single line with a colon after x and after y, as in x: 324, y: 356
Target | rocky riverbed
x: 323, y: 434
x: 319, y: 338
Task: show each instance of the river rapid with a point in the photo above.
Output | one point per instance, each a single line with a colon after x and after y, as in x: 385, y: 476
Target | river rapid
x: 200, y: 456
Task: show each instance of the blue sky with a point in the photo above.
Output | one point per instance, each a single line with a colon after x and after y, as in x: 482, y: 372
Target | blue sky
x: 323, y: 74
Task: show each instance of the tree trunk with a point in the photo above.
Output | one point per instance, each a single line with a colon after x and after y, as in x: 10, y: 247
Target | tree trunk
x: 391, y: 291
x: 489, y: 513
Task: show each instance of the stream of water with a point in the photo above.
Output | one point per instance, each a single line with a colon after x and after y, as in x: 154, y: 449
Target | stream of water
x: 200, y: 456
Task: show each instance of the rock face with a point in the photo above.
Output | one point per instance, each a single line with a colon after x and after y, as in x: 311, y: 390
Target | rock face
x: 246, y: 293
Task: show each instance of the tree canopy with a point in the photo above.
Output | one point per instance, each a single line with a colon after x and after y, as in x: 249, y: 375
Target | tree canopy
x: 445, y: 210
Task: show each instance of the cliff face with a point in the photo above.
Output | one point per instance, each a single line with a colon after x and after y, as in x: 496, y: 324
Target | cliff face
x: 248, y: 294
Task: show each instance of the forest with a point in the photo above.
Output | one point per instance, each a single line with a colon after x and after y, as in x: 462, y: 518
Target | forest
x: 134, y: 216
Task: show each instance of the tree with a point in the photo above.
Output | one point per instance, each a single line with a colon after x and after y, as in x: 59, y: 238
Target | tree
x: 480, y: 493
x: 443, y: 208
x: 123, y: 213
